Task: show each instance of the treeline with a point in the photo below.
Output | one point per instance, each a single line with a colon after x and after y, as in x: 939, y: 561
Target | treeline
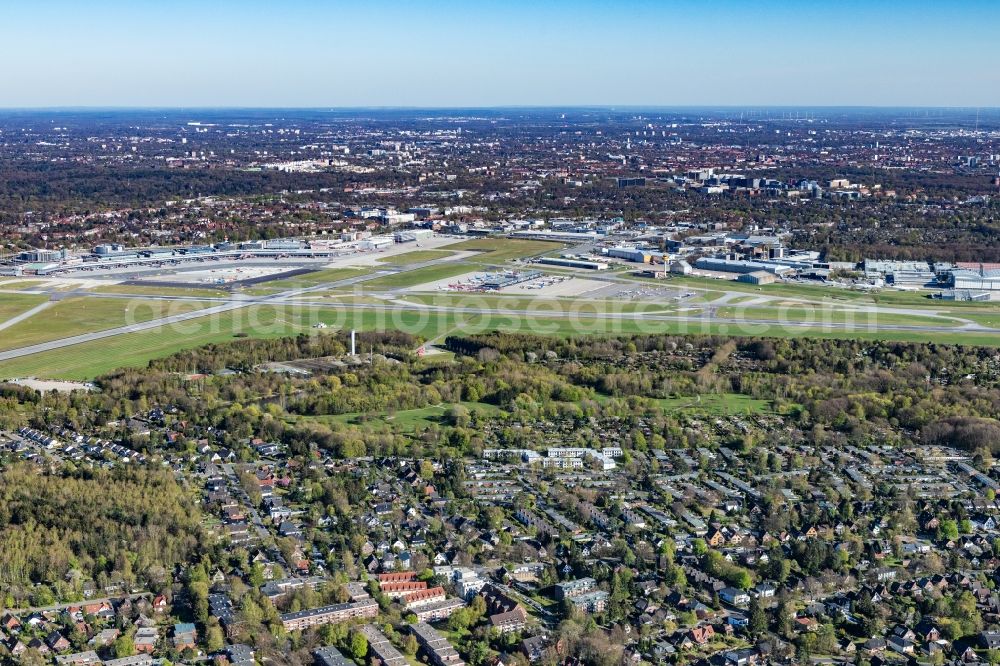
x: 71, y: 187
x: 246, y: 353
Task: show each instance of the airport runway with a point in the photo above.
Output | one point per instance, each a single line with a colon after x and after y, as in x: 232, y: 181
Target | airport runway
x: 708, y: 321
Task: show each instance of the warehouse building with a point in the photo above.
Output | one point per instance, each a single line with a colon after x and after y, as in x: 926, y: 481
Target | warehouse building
x: 981, y: 280
x: 740, y: 266
x: 574, y: 263
x: 412, y: 235
x: 757, y: 277
x: 629, y: 254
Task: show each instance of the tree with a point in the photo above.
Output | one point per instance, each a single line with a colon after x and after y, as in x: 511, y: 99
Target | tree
x: 256, y: 576
x: 478, y: 606
x: 757, y: 618
x: 478, y: 652
x: 359, y: 645
x: 948, y: 529
x: 124, y: 646
x: 214, y: 639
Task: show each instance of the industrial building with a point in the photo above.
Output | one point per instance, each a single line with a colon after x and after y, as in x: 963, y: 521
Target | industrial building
x: 966, y: 295
x: 630, y: 254
x: 880, y: 267
x: 741, y: 266
x: 681, y: 267
x: 757, y: 277
x: 981, y: 280
x: 376, y: 243
x: 573, y: 263
x: 412, y: 235
x: 631, y: 182
x: 913, y: 278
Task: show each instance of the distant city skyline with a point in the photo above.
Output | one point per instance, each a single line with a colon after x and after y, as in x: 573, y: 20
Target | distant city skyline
x: 310, y: 53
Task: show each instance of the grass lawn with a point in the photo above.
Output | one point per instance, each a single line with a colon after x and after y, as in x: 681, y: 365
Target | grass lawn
x: 12, y: 305
x: 88, y: 360
x: 418, y: 276
x: 415, y: 257
x: 91, y: 359
x: 156, y: 290
x: 74, y: 316
x: 715, y: 404
x: 496, y: 250
x: 991, y: 320
x: 21, y: 284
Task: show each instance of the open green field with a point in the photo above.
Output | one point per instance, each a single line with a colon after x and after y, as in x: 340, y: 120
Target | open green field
x: 716, y: 404
x: 91, y: 359
x: 157, y: 290
x: 496, y: 250
x: 416, y: 257
x: 74, y: 316
x: 990, y: 319
x: 87, y: 360
x: 21, y: 284
x: 12, y: 305
x: 419, y: 276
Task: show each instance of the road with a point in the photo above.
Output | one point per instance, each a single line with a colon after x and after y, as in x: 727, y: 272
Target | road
x: 255, y: 518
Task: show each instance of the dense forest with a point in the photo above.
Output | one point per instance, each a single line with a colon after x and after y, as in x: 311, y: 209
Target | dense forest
x: 127, y: 528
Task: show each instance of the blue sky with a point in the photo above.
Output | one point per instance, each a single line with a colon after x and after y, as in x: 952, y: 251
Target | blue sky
x: 516, y: 52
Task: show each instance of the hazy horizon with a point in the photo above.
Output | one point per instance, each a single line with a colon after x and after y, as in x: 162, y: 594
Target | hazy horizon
x: 450, y: 54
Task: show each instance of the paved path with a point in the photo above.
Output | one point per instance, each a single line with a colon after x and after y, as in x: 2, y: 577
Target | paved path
x: 24, y: 315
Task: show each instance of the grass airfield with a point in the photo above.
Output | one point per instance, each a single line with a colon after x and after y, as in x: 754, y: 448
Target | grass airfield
x: 414, y: 289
